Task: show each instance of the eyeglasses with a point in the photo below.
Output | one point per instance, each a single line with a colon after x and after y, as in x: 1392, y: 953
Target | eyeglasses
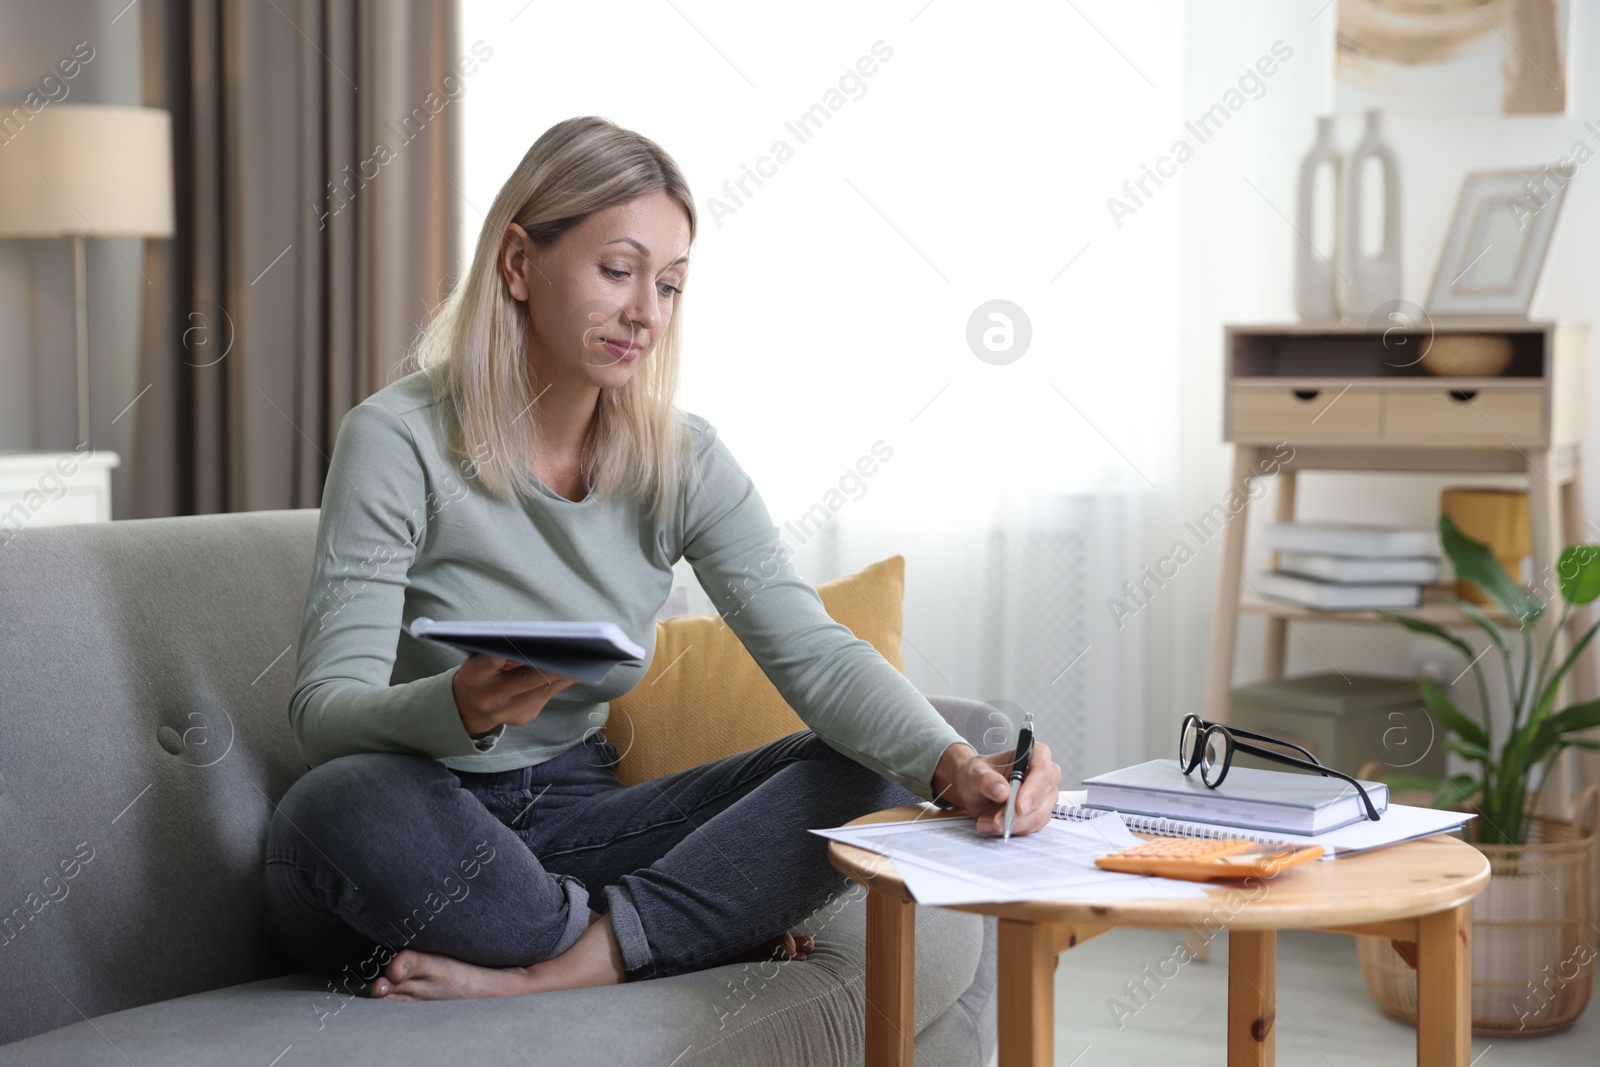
x: 1210, y: 746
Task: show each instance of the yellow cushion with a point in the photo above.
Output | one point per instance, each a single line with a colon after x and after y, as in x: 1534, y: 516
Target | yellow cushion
x: 705, y: 697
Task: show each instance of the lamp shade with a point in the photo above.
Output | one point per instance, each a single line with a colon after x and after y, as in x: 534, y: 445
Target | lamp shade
x: 88, y: 169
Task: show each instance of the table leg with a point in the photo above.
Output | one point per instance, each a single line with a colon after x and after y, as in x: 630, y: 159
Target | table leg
x: 891, y: 977
x: 1027, y: 989
x: 1252, y: 997
x: 1444, y: 987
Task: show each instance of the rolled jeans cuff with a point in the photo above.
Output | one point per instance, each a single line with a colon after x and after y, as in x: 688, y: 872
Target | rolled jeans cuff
x: 637, y: 961
x: 577, y: 913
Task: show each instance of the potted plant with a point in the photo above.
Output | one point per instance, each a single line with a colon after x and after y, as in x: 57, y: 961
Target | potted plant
x: 1533, y: 926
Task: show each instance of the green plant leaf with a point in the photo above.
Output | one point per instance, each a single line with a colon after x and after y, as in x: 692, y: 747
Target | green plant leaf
x: 1515, y: 759
x: 1451, y: 716
x: 1488, y: 626
x: 1574, y: 718
x: 1473, y: 560
x: 1455, y: 790
x: 1423, y: 626
x: 1463, y: 747
x: 1547, y: 698
x: 1578, y: 571
x: 1411, y: 783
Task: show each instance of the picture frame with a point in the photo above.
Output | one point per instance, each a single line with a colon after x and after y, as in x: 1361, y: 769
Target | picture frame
x: 1499, y: 236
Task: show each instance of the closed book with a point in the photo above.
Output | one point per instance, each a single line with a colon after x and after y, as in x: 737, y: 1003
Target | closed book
x: 1356, y: 570
x: 583, y: 650
x: 1350, y: 539
x: 1399, y: 823
x: 1274, y: 801
x: 1331, y: 596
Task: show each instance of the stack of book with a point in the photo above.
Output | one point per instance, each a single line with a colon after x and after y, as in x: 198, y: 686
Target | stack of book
x: 1274, y: 801
x: 1268, y: 807
x: 1341, y: 567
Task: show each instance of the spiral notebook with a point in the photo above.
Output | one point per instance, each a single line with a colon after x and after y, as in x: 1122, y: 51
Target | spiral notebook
x: 1400, y: 823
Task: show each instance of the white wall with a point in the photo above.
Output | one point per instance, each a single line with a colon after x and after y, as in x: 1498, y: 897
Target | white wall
x: 831, y: 307
x: 38, y: 401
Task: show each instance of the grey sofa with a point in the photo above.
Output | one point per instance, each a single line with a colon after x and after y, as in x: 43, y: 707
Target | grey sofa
x: 145, y: 673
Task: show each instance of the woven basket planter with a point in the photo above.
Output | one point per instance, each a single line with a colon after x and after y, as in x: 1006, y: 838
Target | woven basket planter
x: 1533, y: 934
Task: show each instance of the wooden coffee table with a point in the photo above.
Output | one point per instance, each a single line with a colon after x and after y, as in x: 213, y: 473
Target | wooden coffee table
x: 1417, y: 894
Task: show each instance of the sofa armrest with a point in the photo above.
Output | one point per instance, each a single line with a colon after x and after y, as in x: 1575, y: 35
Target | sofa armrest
x: 983, y: 726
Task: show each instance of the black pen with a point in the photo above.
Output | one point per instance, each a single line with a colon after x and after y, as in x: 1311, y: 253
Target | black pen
x: 1019, y: 768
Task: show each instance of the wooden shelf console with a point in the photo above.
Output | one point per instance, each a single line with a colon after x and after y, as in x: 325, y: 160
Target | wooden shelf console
x: 1346, y: 397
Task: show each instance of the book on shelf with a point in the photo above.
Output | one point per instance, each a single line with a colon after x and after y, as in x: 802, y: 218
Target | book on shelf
x: 1335, y: 596
x: 1351, y: 539
x: 1272, y: 801
x: 1358, y: 570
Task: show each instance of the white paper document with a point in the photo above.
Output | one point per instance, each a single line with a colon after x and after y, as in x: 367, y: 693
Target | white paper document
x: 934, y: 889
x: 946, y: 861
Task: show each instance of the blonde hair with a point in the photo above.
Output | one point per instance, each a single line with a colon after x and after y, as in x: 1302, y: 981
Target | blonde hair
x: 474, y: 348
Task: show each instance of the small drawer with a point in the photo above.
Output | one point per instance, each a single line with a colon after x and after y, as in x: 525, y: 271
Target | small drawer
x: 1277, y: 412
x: 1486, y: 416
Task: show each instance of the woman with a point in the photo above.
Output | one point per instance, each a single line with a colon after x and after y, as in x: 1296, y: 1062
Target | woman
x: 461, y: 831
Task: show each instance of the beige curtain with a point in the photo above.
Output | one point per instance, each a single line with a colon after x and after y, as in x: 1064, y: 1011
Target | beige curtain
x: 282, y: 302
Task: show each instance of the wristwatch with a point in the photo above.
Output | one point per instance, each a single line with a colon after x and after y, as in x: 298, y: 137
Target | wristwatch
x: 484, y: 742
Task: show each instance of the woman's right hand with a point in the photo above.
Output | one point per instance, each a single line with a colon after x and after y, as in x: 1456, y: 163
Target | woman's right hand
x: 490, y: 691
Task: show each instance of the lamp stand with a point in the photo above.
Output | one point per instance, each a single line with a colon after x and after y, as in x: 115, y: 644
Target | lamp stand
x: 80, y: 333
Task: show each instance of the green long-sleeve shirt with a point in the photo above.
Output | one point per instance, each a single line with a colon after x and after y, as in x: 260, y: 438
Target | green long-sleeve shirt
x: 404, y: 531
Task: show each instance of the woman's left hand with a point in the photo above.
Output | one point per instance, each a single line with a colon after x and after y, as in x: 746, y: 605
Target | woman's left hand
x: 980, y: 785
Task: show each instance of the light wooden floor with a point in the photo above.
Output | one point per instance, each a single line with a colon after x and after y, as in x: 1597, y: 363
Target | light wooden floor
x: 1325, y: 1017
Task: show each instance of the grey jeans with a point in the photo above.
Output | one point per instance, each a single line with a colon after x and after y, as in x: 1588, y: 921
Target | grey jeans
x: 371, y: 853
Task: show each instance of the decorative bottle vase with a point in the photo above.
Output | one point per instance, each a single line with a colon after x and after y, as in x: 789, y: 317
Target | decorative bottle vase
x: 1367, y: 282
x: 1314, y: 276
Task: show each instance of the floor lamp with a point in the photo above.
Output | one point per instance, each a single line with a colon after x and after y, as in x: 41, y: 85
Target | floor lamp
x: 83, y: 171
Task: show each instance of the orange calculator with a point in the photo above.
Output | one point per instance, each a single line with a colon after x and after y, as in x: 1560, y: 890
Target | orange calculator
x: 1206, y: 859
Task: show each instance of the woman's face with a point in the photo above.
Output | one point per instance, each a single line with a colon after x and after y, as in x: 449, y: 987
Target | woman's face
x: 600, y: 295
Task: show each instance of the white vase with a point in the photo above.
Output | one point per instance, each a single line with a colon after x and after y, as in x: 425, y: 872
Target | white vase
x: 1314, y: 276
x: 1367, y: 282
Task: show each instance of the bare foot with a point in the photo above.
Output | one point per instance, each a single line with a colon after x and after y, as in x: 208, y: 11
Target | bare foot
x: 593, y: 960
x: 414, y: 975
